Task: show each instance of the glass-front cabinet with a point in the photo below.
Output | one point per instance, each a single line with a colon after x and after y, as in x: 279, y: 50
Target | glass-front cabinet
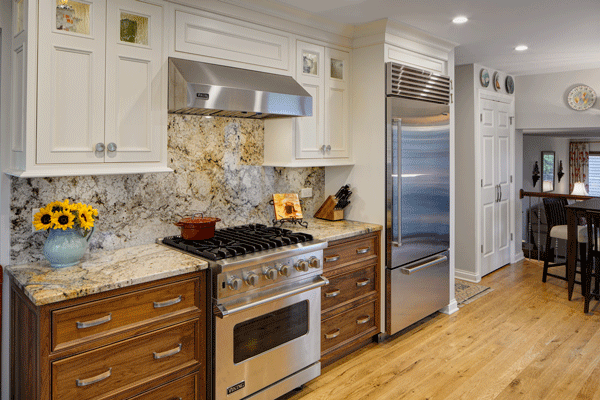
x: 100, y: 89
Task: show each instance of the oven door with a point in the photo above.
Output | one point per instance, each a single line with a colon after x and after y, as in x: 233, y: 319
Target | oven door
x: 270, y: 346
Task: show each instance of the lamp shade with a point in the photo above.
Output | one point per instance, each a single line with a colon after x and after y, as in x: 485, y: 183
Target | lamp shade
x: 579, y: 189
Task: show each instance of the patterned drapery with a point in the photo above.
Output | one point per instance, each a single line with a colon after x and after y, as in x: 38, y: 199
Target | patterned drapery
x: 579, y: 157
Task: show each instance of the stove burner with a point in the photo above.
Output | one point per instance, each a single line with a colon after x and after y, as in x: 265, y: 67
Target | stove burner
x: 238, y: 240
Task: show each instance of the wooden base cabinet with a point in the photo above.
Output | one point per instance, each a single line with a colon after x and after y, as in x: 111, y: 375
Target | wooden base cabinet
x: 350, y: 303
x: 142, y: 342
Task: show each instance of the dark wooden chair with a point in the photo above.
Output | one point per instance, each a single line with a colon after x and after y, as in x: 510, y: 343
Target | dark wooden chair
x: 593, y: 260
x: 556, y: 217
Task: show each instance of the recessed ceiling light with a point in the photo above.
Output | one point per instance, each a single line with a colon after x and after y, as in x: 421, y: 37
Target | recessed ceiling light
x: 521, y: 47
x: 460, y: 20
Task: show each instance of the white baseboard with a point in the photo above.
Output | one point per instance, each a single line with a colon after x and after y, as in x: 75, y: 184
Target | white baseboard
x: 450, y: 308
x: 518, y: 256
x: 467, y: 276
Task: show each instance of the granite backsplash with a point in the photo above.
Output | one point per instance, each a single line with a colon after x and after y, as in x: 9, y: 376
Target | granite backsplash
x: 218, y: 170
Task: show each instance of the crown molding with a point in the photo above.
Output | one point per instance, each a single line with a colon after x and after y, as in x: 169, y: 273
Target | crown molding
x: 289, y: 19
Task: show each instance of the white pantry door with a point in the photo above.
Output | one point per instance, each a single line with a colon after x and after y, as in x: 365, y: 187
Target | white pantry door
x: 495, y: 184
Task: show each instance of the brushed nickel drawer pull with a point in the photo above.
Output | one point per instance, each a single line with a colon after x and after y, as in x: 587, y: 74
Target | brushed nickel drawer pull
x: 168, y: 353
x: 363, y: 282
x: 332, y: 293
x: 99, y: 321
x: 363, y: 320
x: 95, y: 379
x: 332, y: 258
x: 333, y: 334
x: 363, y: 250
x: 167, y: 303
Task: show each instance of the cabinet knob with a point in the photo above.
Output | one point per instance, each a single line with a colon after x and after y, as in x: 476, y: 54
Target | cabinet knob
x: 100, y: 147
x: 328, y: 147
x: 323, y: 149
x: 111, y: 147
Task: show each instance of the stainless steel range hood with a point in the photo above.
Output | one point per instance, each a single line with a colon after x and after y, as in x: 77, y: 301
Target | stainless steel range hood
x: 207, y: 89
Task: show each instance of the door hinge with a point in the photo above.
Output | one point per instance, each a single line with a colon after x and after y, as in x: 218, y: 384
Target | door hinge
x: 482, y: 183
x: 480, y: 117
x: 511, y: 179
x: 481, y: 248
x: 511, y: 119
x: 511, y: 237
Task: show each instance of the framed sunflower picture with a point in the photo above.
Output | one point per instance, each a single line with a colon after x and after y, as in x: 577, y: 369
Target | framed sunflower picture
x: 287, y: 206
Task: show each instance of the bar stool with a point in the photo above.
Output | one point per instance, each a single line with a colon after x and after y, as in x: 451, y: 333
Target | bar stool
x: 556, y: 218
x: 593, y: 257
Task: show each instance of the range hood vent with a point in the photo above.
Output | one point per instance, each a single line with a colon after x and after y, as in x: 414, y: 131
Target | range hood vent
x: 214, y: 90
x: 417, y: 84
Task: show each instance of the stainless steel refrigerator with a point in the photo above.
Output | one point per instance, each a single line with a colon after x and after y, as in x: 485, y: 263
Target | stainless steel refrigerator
x: 417, y: 195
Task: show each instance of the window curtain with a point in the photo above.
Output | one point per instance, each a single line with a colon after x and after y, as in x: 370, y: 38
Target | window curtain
x: 579, y: 157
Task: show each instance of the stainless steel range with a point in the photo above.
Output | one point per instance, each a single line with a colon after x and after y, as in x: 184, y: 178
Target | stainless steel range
x: 266, y: 304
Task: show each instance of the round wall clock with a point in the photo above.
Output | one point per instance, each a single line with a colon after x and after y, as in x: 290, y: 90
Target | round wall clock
x: 581, y: 98
x: 496, y: 80
x: 484, y: 77
x: 509, y: 83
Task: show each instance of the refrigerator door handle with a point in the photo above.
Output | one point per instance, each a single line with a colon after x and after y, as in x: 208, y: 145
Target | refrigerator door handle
x: 397, y: 131
x: 416, y: 267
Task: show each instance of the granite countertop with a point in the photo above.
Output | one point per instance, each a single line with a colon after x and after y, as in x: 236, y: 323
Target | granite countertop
x: 102, y: 271
x: 333, y: 230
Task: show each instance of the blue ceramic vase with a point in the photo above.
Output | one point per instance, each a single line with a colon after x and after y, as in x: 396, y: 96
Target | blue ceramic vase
x: 64, y: 248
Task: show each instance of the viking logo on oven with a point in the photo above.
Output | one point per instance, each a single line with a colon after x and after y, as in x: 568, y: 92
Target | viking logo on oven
x: 236, y: 387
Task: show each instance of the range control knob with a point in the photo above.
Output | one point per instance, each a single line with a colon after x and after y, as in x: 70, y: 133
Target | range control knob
x: 271, y: 273
x: 313, y: 262
x: 301, y: 265
x: 252, y: 279
x: 285, y: 270
x: 235, y: 283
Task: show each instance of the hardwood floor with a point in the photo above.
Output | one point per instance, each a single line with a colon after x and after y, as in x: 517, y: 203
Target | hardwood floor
x: 523, y: 340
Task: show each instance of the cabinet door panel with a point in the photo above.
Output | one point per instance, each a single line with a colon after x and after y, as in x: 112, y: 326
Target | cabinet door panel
x: 70, y: 86
x: 337, y: 100
x: 310, y: 71
x: 133, y: 81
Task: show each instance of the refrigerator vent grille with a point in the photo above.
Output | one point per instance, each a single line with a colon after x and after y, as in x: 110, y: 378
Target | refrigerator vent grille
x: 414, y: 83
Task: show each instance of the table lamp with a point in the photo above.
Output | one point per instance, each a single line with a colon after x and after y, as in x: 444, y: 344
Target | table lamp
x: 579, y: 189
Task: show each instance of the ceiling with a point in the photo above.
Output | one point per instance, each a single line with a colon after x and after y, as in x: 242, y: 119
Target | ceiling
x: 561, y: 35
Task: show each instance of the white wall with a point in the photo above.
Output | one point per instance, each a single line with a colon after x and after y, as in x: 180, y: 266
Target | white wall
x: 542, y: 101
x: 532, y: 152
x: 5, y: 51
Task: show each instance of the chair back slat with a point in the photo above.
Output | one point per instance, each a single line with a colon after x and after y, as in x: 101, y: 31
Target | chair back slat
x: 556, y: 213
x: 593, y: 227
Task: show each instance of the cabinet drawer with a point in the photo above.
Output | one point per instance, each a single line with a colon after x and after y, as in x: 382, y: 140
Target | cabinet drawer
x: 108, y: 315
x: 348, y: 286
x: 102, y: 373
x: 347, y: 325
x: 181, y: 389
x: 352, y: 251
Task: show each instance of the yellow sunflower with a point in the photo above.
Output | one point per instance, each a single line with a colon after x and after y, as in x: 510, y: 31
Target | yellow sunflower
x: 63, y: 219
x: 43, y: 218
x: 86, y: 220
x: 55, y: 206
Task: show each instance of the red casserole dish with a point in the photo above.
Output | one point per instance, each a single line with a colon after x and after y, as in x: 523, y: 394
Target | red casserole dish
x: 197, y: 227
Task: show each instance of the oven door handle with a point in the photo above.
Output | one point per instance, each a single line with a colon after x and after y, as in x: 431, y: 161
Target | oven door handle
x: 221, y: 311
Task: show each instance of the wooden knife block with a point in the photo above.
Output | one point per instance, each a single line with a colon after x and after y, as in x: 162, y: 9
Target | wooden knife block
x: 327, y: 210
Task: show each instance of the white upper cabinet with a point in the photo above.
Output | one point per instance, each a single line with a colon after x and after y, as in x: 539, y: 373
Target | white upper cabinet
x: 323, y: 72
x: 101, y: 90
x: 322, y: 139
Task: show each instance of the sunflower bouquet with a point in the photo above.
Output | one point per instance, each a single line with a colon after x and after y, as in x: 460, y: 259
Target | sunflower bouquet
x: 62, y: 215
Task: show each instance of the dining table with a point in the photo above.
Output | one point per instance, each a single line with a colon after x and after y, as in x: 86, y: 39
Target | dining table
x: 575, y: 212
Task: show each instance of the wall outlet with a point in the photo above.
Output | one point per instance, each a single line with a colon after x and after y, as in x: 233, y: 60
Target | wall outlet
x: 306, y: 192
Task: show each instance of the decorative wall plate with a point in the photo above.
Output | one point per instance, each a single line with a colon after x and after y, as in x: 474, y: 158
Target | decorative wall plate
x: 484, y: 77
x: 581, y: 98
x: 496, y: 81
x: 509, y: 84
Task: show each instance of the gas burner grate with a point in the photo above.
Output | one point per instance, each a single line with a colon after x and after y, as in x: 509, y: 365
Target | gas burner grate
x: 238, y: 240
